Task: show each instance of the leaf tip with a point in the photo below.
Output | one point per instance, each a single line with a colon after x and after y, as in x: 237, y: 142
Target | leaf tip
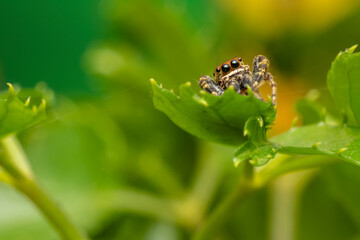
x: 250, y: 91
x: 351, y: 49
x: 11, y: 90
x: 341, y: 150
x: 152, y: 81
x: 27, y: 102
x: 42, y: 105
x: 269, y: 99
x: 35, y: 109
x: 246, y: 132
x: 316, y: 145
x: 347, y: 50
x: 203, y: 102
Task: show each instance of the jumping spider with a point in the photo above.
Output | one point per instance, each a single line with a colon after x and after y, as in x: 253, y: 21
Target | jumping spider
x: 235, y: 73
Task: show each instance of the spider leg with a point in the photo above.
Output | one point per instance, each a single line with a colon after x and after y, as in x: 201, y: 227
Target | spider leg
x: 257, y: 94
x: 209, y: 85
x: 260, y: 66
x: 270, y: 79
x: 246, y: 79
x: 232, y: 82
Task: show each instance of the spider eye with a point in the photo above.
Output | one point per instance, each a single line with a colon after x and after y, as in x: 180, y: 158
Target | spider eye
x: 217, y: 70
x: 225, y: 68
x: 240, y: 59
x: 234, y: 64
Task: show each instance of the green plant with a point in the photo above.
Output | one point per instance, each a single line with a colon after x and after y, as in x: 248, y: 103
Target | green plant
x: 14, y: 167
x: 243, y: 121
x: 231, y: 119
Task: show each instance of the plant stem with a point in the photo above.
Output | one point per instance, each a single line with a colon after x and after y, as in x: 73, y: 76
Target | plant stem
x: 15, y: 161
x: 51, y: 211
x: 207, y: 175
x: 5, y: 177
x: 146, y: 204
x: 15, y: 165
x: 249, y: 184
x: 218, y: 217
x: 269, y: 173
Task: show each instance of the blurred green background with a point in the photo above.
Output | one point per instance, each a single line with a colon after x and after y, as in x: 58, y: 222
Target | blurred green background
x: 122, y: 169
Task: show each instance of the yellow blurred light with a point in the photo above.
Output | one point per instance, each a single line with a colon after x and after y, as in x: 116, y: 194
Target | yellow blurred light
x: 270, y: 17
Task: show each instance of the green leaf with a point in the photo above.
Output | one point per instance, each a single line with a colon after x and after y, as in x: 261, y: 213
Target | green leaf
x: 344, y: 83
x: 16, y: 116
x: 339, y: 141
x: 219, y: 119
x: 258, y: 150
x: 258, y: 153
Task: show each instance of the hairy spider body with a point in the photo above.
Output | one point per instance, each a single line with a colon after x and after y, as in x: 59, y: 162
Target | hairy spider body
x: 238, y: 75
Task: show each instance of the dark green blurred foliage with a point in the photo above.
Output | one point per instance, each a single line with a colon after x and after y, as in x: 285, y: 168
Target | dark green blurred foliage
x: 44, y: 41
x: 310, y: 55
x: 95, y: 150
x: 249, y: 218
x: 326, y: 210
